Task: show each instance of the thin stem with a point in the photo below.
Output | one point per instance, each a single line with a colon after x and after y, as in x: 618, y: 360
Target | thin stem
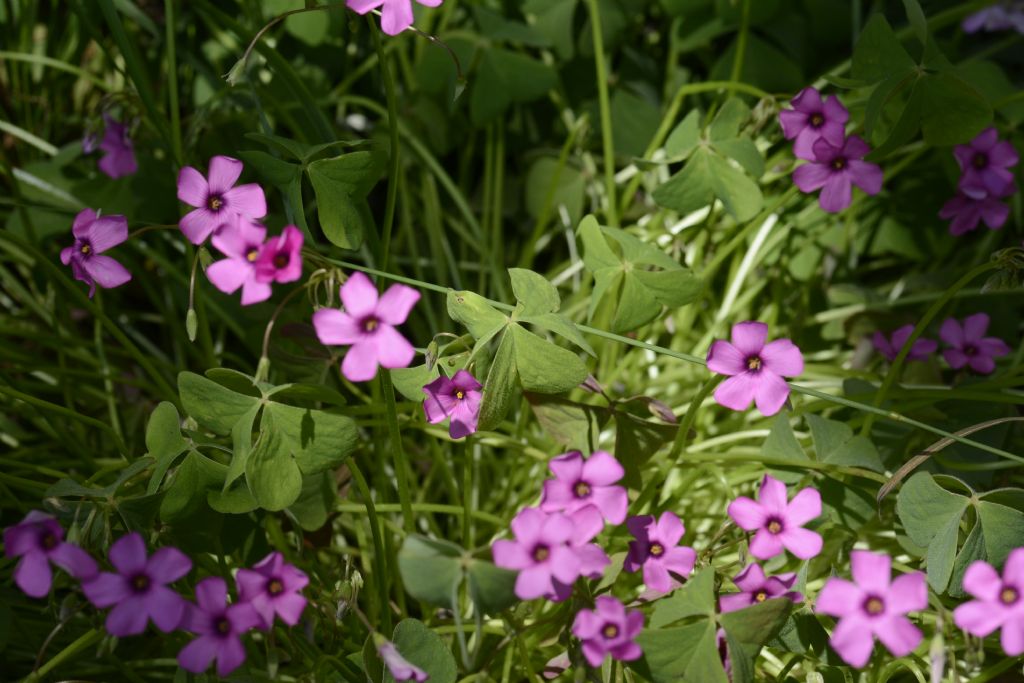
x: 273, y: 318
x: 691, y: 416
x: 741, y: 47
x: 606, y: 112
x: 392, y: 196
x: 381, y: 573
x: 108, y: 384
x: 87, y: 639
x: 401, y: 461
x: 172, y: 85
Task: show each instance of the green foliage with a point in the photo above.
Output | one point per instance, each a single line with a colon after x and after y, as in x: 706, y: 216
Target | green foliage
x: 434, y: 571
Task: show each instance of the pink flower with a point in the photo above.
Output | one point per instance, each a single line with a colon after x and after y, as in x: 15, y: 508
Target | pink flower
x: 608, y: 629
x: 812, y: 119
x: 969, y: 345
x: 399, y: 666
x: 396, y: 15
x: 458, y: 398
x: 218, y: 200
x: 368, y: 324
x: 93, y: 236
x: 998, y: 602
x: 551, y: 551
x: 220, y: 628
x: 921, y: 349
x: 985, y: 165
x: 778, y: 521
x: 118, y: 154
x: 579, y: 483
x: 241, y: 241
x: 138, y: 591
x: 755, y: 587
x: 872, y: 606
x: 756, y: 369
x: 835, y: 169
x: 968, y: 212
x: 280, y: 259
x: 39, y: 540
x: 657, y: 550
x: 272, y: 587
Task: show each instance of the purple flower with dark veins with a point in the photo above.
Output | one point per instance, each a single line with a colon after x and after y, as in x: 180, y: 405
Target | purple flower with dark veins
x: 458, y: 398
x: 39, y: 540
x: 969, y: 346
x: 93, y: 236
x: 835, y: 170
x: 967, y: 212
x: 812, y: 119
x: 272, y: 587
x: 118, y: 154
x: 220, y: 627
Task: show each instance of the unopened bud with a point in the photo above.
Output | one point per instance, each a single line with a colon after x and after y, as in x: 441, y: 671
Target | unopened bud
x: 191, y: 324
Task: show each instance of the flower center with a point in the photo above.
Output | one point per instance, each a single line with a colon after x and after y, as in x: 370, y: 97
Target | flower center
x: 85, y: 249
x: 214, y: 202
x: 1008, y: 595
x: 49, y: 541
x: 839, y: 163
x: 460, y: 395
x: 774, y: 526
x: 541, y: 553
x: 874, y: 606
x: 281, y: 260
x: 754, y: 363
x: 222, y: 625
x: 970, y: 350
x: 140, y: 583
x: 610, y: 631
x: 817, y: 120
x: 980, y: 160
x: 370, y: 324
x: 760, y: 596
x: 581, y: 489
x: 657, y: 549
x: 275, y: 587
x: 252, y: 255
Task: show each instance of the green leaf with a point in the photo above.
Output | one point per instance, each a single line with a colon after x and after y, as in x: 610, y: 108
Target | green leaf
x: 727, y: 122
x: 572, y: 425
x: 952, y: 110
x: 562, y: 185
x: 542, y: 366
x: 561, y: 326
x: 878, y: 53
x: 431, y: 569
x: 271, y: 472
x: 235, y: 500
x: 781, y: 443
x: 500, y: 385
x: 164, y: 442
x: 705, y: 177
x: 972, y: 550
x: 241, y: 440
x: 942, y: 554
x: 634, y: 122
x: 504, y: 78
x: 533, y: 292
x: 636, y: 440
x: 668, y: 653
x: 481, y: 319
x: 423, y: 648
x: 835, y: 443
x: 491, y: 588
x: 597, y: 255
x: 212, y: 405
x: 740, y: 195
x: 696, y: 597
x: 410, y: 381
x: 315, y: 501
x: 341, y: 185
x: 554, y: 20
x: 317, y: 440
x: 925, y: 508
x: 1003, y: 527
x: 187, y: 491
x: 917, y: 20
x: 684, y: 137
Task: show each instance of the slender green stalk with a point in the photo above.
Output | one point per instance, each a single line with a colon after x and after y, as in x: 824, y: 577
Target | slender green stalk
x: 108, y: 384
x: 401, y: 461
x: 392, y: 98
x: 741, y: 47
x: 172, y: 82
x: 86, y: 640
x: 607, y: 141
x: 380, y: 558
x: 691, y: 416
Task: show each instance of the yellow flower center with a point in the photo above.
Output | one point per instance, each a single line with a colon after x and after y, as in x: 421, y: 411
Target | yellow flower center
x: 657, y: 549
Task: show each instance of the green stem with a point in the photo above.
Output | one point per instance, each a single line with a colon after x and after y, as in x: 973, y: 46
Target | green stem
x: 381, y: 573
x: 61, y: 410
x: 606, y: 112
x: 108, y: 384
x: 401, y: 461
x: 392, y: 99
x: 172, y: 83
x: 89, y: 638
x: 691, y: 415
x: 741, y: 47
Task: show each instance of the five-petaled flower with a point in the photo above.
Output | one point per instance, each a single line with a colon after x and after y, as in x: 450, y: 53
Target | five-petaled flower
x: 401, y: 669
x: 967, y: 212
x: 39, y: 540
x: 756, y: 369
x: 755, y: 588
x: 969, y: 346
x: 395, y: 16
x: 890, y: 346
x: 812, y: 119
x: 835, y: 170
x: 93, y: 236
x: 609, y: 629
x: 241, y: 241
x: 777, y: 521
x: 280, y: 259
x: 218, y: 200
x: 998, y: 602
x: 219, y: 627
x: 985, y: 165
x: 657, y: 550
x: 368, y: 325
x: 581, y: 482
x: 457, y: 397
x: 138, y: 591
x: 873, y: 605
x: 273, y: 586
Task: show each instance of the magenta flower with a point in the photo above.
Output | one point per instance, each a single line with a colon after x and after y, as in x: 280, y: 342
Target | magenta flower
x: 778, y: 522
x: 272, y: 587
x: 998, y: 602
x: 890, y: 347
x: 368, y: 324
x: 657, y: 550
x: 395, y: 16
x: 458, y: 398
x: 550, y: 551
x: 220, y: 628
x: 835, y: 169
x: 139, y: 590
x: 812, y: 119
x: 755, y: 368
x: 985, y: 165
x: 118, y: 154
x: 755, y: 587
x: 93, y: 236
x: 1001, y: 17
x: 280, y: 259
x: 39, y: 540
x: 968, y: 212
x: 401, y: 669
x: 872, y: 606
x: 969, y: 345
x: 608, y: 629
x: 217, y: 200
x: 241, y: 241
x: 579, y: 483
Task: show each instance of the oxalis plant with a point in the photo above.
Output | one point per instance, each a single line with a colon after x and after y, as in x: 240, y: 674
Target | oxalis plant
x: 599, y: 340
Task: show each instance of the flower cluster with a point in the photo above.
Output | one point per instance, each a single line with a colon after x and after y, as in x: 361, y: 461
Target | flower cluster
x: 138, y: 591
x: 985, y: 181
x: 835, y: 161
x: 966, y: 344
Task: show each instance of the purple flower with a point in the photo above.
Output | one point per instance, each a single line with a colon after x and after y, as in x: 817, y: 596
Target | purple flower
x: 280, y: 259
x: 657, y: 550
x: 368, y: 324
x: 755, y: 587
x: 812, y: 119
x: 219, y: 626
x: 241, y: 241
x: 118, y: 155
x: 396, y: 15
x: 984, y: 165
x: 969, y: 345
x: 579, y: 483
x: 458, y: 398
x: 778, y: 522
x: 1009, y: 15
x: 756, y: 369
x: 93, y: 236
x: 399, y: 666
x: 551, y: 551
x: 967, y: 212
x: 139, y: 590
x: 608, y: 629
x: 872, y: 606
x: 39, y: 540
x: 218, y: 200
x: 835, y: 169
x: 998, y: 602
x: 890, y: 347
x: 272, y: 587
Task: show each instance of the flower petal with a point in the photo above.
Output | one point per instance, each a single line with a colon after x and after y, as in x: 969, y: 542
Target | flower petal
x: 128, y: 554
x: 396, y: 303
x: 853, y: 640
x: 978, y: 618
x: 223, y: 173
x: 602, y: 469
x: 871, y: 571
x: 229, y: 274
x: 199, y: 224
x: 212, y: 594
x: 982, y: 581
x: 803, y: 543
x: 396, y: 17
x: 335, y: 328
x: 197, y: 655
x: 74, y: 561
x: 247, y: 200
x: 765, y: 544
x: 33, y: 575
x: 106, y: 272
x: 166, y: 608
x: 128, y: 618
x: 359, y: 296
x: 836, y: 193
x: 726, y: 359
x: 747, y: 514
x: 811, y: 176
x: 898, y: 634
x: 393, y: 350
x: 168, y: 564
x: 749, y: 337
x: 736, y: 392
x: 107, y: 232
x: 770, y: 392
x: 360, y: 363
x: 192, y: 187
x: 805, y: 506
x: 783, y: 358
x: 838, y: 597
